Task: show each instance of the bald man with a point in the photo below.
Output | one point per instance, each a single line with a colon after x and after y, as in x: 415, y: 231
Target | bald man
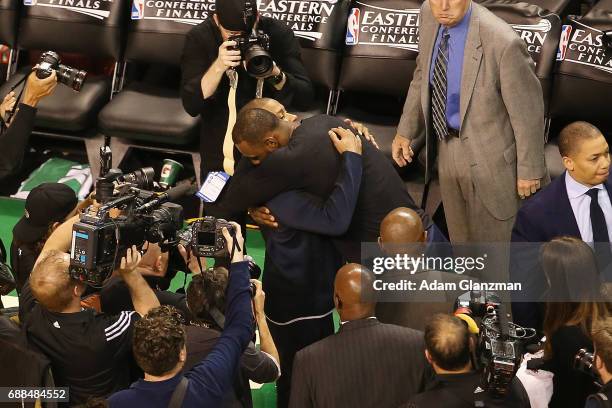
x: 367, y: 363
x: 402, y: 233
x: 89, y: 352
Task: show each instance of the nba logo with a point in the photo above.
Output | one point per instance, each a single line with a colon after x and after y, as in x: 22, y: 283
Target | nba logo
x: 29, y: 2
x: 138, y: 9
x: 352, y: 28
x: 566, y: 31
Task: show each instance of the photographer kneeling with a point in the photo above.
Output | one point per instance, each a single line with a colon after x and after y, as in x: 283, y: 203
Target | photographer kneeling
x: 448, y: 348
x: 206, y: 302
x: 602, y: 341
x: 15, y: 134
x: 159, y: 348
x: 89, y: 352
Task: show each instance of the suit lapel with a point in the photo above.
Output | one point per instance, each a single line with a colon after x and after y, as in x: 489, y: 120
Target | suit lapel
x: 472, y: 57
x: 565, y: 218
x: 425, y: 102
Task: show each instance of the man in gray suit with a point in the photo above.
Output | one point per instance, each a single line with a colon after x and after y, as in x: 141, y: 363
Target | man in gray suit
x: 474, y: 94
x: 367, y: 363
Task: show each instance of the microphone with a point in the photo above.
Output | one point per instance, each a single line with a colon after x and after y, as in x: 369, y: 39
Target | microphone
x: 171, y: 195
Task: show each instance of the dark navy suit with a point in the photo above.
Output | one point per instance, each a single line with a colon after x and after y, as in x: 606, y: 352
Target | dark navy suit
x: 546, y: 216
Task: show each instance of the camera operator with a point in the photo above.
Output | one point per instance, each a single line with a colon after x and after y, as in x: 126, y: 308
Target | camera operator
x: 14, y: 135
x: 448, y: 348
x: 89, y: 352
x: 602, y: 341
x: 159, y: 349
x: 206, y: 293
x: 209, y: 54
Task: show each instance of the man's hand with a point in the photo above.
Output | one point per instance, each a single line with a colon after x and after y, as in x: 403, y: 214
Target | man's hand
x: 526, y: 188
x: 259, y: 299
x: 37, y: 89
x: 363, y: 131
x: 263, y: 216
x: 345, y: 141
x: 229, y: 240
x: 191, y: 261
x: 7, y: 104
x: 129, y: 262
x: 228, y: 58
x: 401, y: 151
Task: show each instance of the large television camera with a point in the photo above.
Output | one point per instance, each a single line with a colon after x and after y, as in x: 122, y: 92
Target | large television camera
x: 501, y: 343
x: 102, y: 237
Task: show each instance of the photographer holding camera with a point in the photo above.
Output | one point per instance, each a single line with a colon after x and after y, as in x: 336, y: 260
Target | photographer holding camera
x: 602, y: 341
x: 448, y: 348
x: 232, y: 42
x: 89, y: 352
x: 159, y: 348
x: 206, y: 301
x: 15, y: 131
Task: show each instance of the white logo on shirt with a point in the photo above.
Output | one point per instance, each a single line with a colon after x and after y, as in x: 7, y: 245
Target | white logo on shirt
x: 56, y: 325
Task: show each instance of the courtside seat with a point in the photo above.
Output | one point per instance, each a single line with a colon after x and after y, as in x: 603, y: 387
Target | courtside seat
x: 151, y: 110
x: 97, y: 33
x: 149, y: 113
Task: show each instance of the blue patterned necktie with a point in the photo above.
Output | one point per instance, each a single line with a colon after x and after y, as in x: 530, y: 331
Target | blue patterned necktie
x: 438, y: 96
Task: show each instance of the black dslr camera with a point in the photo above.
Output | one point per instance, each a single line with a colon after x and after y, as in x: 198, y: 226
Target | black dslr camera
x: 501, y: 343
x: 50, y: 61
x: 584, y: 361
x: 206, y: 239
x: 254, y: 45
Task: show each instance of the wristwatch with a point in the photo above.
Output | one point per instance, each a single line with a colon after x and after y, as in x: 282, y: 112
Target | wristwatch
x: 277, y: 79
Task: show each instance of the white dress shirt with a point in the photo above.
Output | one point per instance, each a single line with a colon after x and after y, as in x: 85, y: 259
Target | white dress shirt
x: 581, y: 206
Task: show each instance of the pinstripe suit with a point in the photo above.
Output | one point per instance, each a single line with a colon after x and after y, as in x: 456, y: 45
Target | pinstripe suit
x: 365, y: 364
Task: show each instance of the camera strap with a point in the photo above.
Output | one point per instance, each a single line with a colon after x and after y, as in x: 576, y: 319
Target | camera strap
x: 228, y: 143
x: 9, y: 114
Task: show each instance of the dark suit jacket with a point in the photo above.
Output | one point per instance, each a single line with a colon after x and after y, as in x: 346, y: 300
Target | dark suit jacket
x: 546, y: 216
x: 365, y: 364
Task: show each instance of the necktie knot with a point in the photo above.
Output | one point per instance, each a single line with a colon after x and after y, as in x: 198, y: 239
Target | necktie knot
x: 593, y: 193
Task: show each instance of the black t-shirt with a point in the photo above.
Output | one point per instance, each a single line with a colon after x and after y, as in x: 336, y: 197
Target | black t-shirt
x: 23, y: 259
x: 90, y: 353
x: 201, y: 50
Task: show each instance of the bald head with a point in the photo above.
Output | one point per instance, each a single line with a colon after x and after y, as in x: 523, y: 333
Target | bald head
x: 51, y: 283
x: 447, y: 340
x: 261, y: 103
x: 400, y: 227
x: 352, y: 281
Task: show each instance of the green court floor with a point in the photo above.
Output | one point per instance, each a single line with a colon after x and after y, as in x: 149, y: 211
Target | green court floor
x: 264, y: 396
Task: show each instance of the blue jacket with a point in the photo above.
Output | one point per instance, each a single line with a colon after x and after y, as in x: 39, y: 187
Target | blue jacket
x: 210, y: 379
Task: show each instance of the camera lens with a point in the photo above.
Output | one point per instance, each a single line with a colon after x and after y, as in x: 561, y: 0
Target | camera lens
x: 142, y: 178
x: 258, y: 61
x: 71, y: 77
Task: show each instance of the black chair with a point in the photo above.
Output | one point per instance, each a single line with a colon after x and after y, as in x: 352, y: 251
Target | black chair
x: 583, y: 78
x: 9, y: 18
x: 46, y: 25
x: 378, y: 64
x: 322, y: 41
x: 149, y: 112
x: 540, y: 28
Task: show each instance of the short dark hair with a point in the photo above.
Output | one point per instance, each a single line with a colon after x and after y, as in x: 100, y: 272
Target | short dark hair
x: 447, y: 340
x: 207, y: 290
x: 158, y: 340
x: 574, y: 134
x: 252, y: 125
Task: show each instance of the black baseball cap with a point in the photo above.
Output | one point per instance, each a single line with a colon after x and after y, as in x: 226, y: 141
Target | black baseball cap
x: 46, y: 204
x: 231, y: 13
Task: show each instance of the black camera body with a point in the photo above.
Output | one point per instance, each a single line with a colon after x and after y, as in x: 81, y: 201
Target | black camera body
x: 50, y: 61
x: 501, y: 343
x: 207, y: 238
x: 99, y: 241
x: 254, y: 48
x: 584, y: 361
